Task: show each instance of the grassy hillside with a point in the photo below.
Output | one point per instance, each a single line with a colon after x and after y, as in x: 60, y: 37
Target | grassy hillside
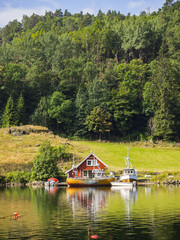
x: 17, y: 152
x: 163, y: 157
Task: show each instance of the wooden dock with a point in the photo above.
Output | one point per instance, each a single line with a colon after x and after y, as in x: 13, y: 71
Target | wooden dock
x: 61, y: 184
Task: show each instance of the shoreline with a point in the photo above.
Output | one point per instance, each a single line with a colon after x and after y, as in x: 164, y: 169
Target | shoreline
x: 64, y: 184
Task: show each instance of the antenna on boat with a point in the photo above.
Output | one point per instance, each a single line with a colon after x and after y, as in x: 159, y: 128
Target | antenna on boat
x: 73, y: 161
x: 127, y: 159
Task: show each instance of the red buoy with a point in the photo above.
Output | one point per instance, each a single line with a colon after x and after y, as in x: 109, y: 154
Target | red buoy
x: 94, y: 236
x: 16, y: 215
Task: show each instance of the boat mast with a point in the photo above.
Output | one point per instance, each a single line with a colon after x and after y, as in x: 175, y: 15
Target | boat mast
x: 127, y: 159
x: 73, y: 161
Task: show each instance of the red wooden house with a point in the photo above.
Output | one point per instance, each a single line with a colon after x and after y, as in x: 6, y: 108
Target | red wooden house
x: 89, y: 168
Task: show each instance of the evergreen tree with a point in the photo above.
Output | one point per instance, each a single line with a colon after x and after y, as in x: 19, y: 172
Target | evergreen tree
x: 20, y: 111
x: 94, y: 61
x: 162, y: 98
x: 9, y: 117
x: 41, y: 115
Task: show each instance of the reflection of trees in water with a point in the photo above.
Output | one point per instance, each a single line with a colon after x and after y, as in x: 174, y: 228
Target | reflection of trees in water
x: 53, y: 211
x: 47, y: 200
x: 20, y: 199
x: 111, y: 214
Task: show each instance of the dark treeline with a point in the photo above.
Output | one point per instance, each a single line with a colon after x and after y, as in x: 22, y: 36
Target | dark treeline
x: 109, y: 76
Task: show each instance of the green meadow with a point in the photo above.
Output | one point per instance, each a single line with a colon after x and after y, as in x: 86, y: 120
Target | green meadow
x: 18, y: 152
x: 144, y: 157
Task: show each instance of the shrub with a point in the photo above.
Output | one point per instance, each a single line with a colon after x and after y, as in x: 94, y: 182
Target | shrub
x: 2, y: 179
x: 45, y: 163
x: 18, y: 177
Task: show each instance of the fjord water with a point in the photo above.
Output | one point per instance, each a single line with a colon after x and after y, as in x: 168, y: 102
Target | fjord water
x: 151, y: 212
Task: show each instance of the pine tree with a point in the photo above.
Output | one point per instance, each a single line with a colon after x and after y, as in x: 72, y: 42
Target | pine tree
x: 163, y: 98
x: 20, y: 111
x: 9, y: 117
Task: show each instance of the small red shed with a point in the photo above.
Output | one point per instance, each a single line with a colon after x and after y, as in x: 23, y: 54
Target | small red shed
x: 88, y: 168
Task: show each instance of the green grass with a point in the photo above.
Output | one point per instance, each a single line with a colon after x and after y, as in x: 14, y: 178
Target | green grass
x: 143, y: 158
x: 17, y: 153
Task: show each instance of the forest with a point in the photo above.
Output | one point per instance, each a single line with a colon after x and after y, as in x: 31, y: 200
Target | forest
x: 109, y: 76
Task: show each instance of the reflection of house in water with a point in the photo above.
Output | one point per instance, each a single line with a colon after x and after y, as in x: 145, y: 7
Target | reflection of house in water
x: 91, y: 199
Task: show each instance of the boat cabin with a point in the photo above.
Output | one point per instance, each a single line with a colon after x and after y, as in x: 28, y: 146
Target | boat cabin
x: 90, y: 167
x: 129, y: 171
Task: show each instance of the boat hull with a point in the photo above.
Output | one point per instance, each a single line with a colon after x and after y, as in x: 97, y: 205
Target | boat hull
x: 123, y: 184
x: 128, y: 178
x: 89, y: 182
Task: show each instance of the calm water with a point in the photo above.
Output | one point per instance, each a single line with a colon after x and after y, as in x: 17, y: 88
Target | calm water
x: 111, y: 213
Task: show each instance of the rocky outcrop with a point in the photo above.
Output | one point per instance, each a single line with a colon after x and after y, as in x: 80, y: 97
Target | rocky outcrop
x: 38, y: 183
x: 14, y: 184
x: 27, y: 129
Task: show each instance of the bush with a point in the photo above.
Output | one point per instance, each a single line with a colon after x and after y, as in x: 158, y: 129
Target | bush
x: 45, y: 163
x: 2, y: 179
x: 18, y: 177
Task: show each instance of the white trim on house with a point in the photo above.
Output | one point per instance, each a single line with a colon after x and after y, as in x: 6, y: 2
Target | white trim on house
x: 91, y: 162
x: 84, y: 161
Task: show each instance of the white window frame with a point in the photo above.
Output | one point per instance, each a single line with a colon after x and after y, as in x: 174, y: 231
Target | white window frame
x: 85, y: 176
x: 87, y: 163
x: 92, y: 162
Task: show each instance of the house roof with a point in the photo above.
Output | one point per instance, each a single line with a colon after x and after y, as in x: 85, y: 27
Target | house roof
x: 76, y: 166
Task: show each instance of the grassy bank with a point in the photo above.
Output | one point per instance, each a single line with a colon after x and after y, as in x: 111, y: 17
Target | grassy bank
x: 160, y: 157
x: 17, y: 152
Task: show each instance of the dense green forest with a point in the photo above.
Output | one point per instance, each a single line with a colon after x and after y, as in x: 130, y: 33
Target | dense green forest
x: 108, y: 76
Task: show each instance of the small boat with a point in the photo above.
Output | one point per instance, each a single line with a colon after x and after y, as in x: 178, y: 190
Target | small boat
x: 51, y: 182
x: 129, y: 176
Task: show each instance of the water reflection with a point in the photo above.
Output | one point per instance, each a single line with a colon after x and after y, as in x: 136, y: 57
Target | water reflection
x: 111, y: 213
x: 147, y: 191
x: 51, y: 190
x: 129, y: 196
x: 91, y: 199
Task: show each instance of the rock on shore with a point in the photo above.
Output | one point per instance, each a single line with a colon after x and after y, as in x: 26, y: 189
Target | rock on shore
x: 172, y: 181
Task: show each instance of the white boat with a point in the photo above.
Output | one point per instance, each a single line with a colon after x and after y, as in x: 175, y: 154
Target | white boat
x: 50, y: 183
x: 124, y: 184
x: 129, y: 176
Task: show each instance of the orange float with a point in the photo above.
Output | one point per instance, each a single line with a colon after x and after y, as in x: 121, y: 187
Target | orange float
x: 16, y: 215
x: 94, y: 236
